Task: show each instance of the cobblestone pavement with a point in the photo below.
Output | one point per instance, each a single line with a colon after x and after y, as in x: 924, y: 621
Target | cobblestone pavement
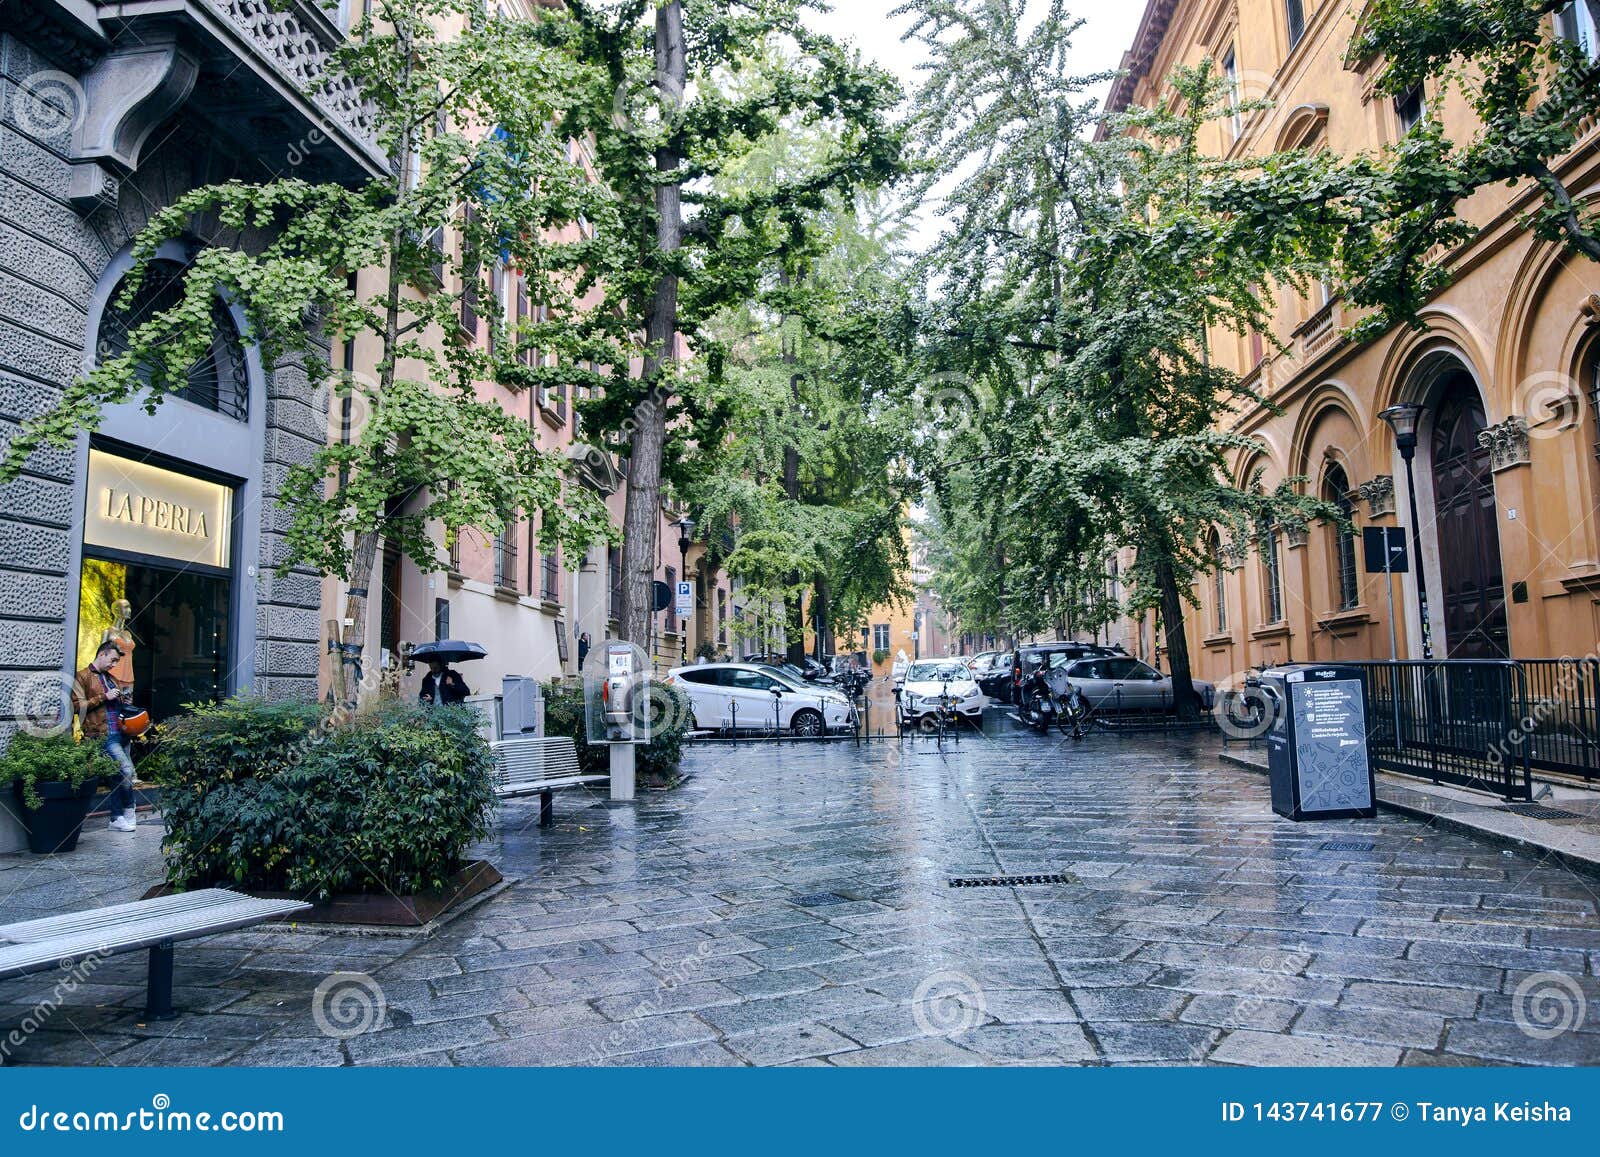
x: 790, y: 905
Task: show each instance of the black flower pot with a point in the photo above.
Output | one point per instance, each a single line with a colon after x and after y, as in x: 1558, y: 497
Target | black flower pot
x: 56, y: 825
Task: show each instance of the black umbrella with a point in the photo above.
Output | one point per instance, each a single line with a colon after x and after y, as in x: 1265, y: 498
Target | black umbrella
x: 448, y: 651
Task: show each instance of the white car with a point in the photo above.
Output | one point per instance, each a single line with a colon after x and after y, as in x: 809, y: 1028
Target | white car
x: 927, y: 680
x: 752, y: 696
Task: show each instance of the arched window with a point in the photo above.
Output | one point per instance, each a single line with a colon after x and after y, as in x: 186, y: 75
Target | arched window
x: 1219, y: 583
x: 217, y: 380
x: 1347, y: 582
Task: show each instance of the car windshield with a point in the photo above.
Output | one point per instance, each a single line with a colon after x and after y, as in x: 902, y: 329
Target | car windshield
x: 936, y: 672
x: 783, y: 677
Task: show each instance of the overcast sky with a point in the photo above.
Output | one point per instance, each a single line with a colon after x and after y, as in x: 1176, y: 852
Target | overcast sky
x: 1099, y: 44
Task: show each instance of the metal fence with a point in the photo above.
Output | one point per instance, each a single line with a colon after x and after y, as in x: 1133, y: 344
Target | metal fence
x: 1484, y: 724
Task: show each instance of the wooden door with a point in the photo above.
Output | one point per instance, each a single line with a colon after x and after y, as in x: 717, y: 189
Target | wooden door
x: 1466, y: 524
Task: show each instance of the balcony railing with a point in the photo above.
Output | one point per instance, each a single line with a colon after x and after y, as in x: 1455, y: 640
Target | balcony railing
x: 298, y: 41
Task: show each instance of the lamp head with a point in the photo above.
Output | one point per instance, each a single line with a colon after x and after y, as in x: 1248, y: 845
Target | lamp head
x: 1403, y: 419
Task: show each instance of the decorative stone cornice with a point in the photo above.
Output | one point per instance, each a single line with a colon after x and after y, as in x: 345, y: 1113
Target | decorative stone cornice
x: 1296, y: 534
x: 1378, y: 495
x: 1591, y: 309
x: 1235, y: 554
x: 1507, y: 443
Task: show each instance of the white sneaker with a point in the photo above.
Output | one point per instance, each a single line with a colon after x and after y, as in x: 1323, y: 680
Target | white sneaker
x: 124, y: 823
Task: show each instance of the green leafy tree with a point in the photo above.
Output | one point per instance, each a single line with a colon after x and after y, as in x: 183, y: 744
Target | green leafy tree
x: 469, y: 121
x: 1531, y: 92
x: 1074, y: 291
x: 677, y: 92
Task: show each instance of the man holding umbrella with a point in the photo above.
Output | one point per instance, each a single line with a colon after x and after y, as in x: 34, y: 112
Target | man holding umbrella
x: 441, y: 685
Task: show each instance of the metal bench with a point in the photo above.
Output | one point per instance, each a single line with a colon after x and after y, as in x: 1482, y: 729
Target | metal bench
x: 526, y: 766
x: 56, y: 941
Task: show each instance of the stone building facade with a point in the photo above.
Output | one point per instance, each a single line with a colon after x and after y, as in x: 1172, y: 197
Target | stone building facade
x: 1507, y: 478
x: 164, y: 527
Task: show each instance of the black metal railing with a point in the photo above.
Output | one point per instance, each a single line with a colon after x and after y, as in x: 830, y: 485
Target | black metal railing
x: 1484, y: 724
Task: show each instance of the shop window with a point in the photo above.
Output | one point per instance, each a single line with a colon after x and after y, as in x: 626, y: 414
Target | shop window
x: 1347, y: 582
x: 157, y: 576
x: 217, y: 380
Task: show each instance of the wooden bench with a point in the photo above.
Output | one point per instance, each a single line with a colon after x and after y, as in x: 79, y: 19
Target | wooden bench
x: 526, y: 766
x: 56, y: 941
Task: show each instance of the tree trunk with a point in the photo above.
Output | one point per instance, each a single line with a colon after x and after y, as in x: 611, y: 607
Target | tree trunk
x: 365, y: 556
x: 1185, y: 701
x: 642, y: 513
x: 794, y: 626
x: 821, y: 615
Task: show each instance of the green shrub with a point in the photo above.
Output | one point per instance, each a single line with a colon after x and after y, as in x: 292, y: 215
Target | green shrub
x: 276, y: 797
x: 35, y: 759
x: 879, y: 657
x: 656, y: 761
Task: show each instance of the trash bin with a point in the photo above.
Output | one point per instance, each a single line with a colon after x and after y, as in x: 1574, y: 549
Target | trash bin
x: 1317, y: 743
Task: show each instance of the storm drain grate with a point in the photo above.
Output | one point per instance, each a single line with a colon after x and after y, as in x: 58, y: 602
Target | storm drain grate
x: 1347, y: 846
x: 820, y: 899
x: 1012, y: 881
x: 1538, y: 812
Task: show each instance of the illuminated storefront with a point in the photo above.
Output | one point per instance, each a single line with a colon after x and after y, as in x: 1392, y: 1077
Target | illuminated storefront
x: 156, y: 577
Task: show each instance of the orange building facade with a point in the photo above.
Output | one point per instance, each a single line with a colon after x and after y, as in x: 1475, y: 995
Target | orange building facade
x: 1506, y: 472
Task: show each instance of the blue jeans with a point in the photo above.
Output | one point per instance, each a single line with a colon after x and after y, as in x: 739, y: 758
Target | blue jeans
x: 121, y: 797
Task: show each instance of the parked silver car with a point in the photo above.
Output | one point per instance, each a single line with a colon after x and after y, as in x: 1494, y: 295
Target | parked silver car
x: 1122, y: 683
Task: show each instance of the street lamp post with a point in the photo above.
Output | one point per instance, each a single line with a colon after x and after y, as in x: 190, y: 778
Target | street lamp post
x: 1403, y: 419
x: 685, y: 539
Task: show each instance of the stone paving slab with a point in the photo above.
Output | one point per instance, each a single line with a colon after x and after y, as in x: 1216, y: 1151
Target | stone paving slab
x: 789, y: 906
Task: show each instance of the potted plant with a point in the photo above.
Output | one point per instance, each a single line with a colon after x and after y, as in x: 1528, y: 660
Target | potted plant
x: 54, y: 778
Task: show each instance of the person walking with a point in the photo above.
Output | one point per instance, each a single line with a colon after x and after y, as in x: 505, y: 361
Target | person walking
x: 583, y: 650
x: 98, y: 702
x: 442, y: 685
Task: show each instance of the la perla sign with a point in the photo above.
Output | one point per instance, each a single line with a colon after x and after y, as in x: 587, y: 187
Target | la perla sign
x: 137, y: 507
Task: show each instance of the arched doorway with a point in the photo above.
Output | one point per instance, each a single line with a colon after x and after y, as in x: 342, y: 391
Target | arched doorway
x: 1466, y: 526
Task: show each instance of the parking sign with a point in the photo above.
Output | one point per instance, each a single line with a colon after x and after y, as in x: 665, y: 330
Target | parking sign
x: 685, y: 599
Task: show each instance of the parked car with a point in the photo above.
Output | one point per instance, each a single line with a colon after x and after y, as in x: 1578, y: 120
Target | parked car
x: 1027, y: 659
x: 749, y: 696
x: 1122, y: 683
x: 995, y: 683
x: 983, y: 662
x: 927, y: 680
